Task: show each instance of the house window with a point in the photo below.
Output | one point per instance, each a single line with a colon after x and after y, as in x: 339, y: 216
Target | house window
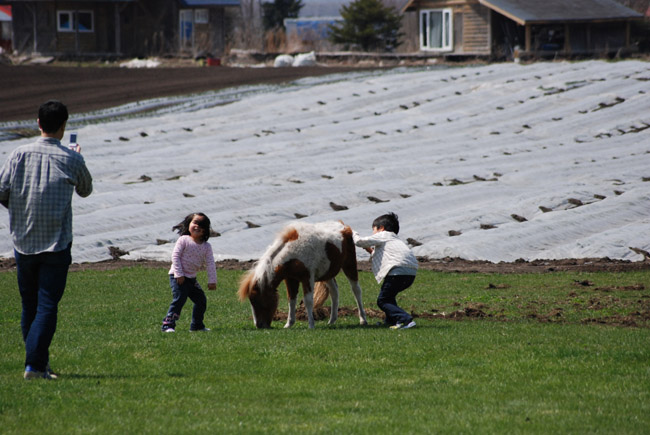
x: 436, y: 30
x: 201, y: 16
x: 70, y: 21
x: 85, y: 21
x: 65, y: 22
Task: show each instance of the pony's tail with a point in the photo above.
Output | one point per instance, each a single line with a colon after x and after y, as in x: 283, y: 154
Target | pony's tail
x: 321, y: 293
x: 262, y: 273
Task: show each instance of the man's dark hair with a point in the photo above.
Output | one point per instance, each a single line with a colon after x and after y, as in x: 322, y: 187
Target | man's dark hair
x: 52, y: 115
x: 389, y: 221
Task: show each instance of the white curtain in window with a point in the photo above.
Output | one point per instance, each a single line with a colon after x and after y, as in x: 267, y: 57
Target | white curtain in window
x: 435, y: 29
x: 435, y: 26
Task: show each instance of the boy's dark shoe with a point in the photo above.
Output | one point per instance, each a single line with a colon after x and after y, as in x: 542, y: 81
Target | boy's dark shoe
x: 409, y: 325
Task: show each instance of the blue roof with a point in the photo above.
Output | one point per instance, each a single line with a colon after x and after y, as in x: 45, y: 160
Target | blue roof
x: 203, y: 3
x: 322, y: 8
x: 332, y: 8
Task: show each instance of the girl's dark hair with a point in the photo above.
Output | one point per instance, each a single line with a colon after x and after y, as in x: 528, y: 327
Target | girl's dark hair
x: 183, y: 227
x: 389, y: 221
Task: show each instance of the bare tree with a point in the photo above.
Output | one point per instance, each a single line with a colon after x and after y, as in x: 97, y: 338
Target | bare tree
x: 248, y: 32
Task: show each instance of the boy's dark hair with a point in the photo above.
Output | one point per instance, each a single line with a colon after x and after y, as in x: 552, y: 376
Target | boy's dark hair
x: 389, y: 221
x: 183, y: 227
x: 52, y: 115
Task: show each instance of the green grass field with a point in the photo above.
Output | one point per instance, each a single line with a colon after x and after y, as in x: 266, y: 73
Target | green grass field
x: 530, y: 355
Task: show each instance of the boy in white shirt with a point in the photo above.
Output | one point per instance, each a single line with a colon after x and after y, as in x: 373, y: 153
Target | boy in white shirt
x: 394, y: 263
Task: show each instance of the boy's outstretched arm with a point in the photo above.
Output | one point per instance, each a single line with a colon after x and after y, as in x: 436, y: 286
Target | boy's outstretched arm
x: 362, y: 243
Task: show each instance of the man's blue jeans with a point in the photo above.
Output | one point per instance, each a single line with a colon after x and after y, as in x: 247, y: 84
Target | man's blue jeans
x: 392, y: 286
x: 41, y: 281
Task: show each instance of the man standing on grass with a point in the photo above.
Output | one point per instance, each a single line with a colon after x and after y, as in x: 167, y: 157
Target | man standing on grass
x: 36, y: 185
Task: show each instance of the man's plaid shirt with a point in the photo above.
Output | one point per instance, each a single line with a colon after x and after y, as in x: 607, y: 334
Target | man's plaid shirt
x: 38, y: 181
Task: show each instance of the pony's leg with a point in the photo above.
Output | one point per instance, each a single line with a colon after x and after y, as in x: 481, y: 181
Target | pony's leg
x: 308, y: 298
x: 334, y: 293
x: 351, y: 273
x: 292, y: 293
x: 356, y: 289
x: 291, y: 319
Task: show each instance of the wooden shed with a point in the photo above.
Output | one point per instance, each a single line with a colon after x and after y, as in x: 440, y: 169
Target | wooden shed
x: 50, y: 27
x: 497, y: 28
x: 120, y: 27
x: 203, y: 26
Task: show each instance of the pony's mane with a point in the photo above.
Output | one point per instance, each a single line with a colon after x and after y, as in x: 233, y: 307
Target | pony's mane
x: 245, y: 285
x: 263, y: 272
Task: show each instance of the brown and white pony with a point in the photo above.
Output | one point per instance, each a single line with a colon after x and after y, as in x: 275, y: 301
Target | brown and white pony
x: 302, y: 253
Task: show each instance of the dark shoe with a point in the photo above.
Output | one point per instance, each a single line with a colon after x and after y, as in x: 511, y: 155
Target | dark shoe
x: 50, y: 372
x: 409, y: 325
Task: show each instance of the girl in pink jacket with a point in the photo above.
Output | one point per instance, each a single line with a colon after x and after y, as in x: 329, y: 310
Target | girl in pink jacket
x: 191, y: 254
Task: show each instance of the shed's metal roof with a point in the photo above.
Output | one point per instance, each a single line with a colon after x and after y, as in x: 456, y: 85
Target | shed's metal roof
x: 535, y: 11
x: 69, y: 1
x: 322, y: 8
x: 332, y: 8
x: 5, y: 13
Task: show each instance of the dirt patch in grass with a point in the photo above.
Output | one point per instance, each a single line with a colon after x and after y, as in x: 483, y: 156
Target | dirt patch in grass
x: 323, y: 313
x: 637, y: 318
x: 584, y: 303
x: 442, y: 265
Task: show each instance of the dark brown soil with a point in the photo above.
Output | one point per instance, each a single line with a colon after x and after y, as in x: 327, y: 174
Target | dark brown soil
x: 84, y: 89
x: 442, y: 265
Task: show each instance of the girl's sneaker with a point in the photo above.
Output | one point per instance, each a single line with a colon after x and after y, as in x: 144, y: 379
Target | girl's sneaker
x: 204, y: 329
x: 169, y: 323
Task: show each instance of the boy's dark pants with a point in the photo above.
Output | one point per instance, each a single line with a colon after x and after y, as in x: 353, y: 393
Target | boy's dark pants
x: 190, y: 289
x: 386, y: 301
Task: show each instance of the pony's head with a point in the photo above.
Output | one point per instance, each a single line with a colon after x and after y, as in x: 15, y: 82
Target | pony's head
x: 262, y: 296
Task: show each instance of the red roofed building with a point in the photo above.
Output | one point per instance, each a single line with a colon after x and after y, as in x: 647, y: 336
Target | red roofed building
x: 5, y: 27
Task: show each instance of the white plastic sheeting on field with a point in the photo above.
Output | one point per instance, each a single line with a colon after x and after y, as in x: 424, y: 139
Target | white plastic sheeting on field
x: 541, y: 161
